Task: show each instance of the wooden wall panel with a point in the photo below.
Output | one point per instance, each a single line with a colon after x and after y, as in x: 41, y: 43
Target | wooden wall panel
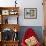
x: 44, y: 6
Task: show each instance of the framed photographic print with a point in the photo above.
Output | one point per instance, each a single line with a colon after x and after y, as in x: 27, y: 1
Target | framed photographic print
x: 5, y: 12
x: 30, y: 13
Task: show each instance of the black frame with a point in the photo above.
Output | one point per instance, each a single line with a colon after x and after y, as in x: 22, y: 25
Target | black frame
x: 31, y: 9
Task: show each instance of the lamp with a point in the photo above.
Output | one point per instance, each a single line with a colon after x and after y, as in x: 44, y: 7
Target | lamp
x: 15, y: 30
x: 15, y: 3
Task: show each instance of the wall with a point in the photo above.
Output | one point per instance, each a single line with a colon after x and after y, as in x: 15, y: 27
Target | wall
x: 26, y: 4
x: 38, y: 23
x: 32, y: 4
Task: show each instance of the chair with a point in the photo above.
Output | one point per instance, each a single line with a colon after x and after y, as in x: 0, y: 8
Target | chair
x: 28, y: 34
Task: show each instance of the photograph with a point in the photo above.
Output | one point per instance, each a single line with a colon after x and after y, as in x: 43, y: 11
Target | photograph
x: 30, y: 13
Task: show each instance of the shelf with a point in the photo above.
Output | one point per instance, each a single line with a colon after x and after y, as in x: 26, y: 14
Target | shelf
x: 10, y: 26
x: 9, y: 19
x: 9, y: 10
x: 5, y: 12
x: 11, y: 41
x: 7, y: 23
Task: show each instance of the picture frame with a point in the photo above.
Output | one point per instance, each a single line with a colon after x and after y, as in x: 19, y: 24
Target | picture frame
x: 5, y: 12
x: 30, y: 13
